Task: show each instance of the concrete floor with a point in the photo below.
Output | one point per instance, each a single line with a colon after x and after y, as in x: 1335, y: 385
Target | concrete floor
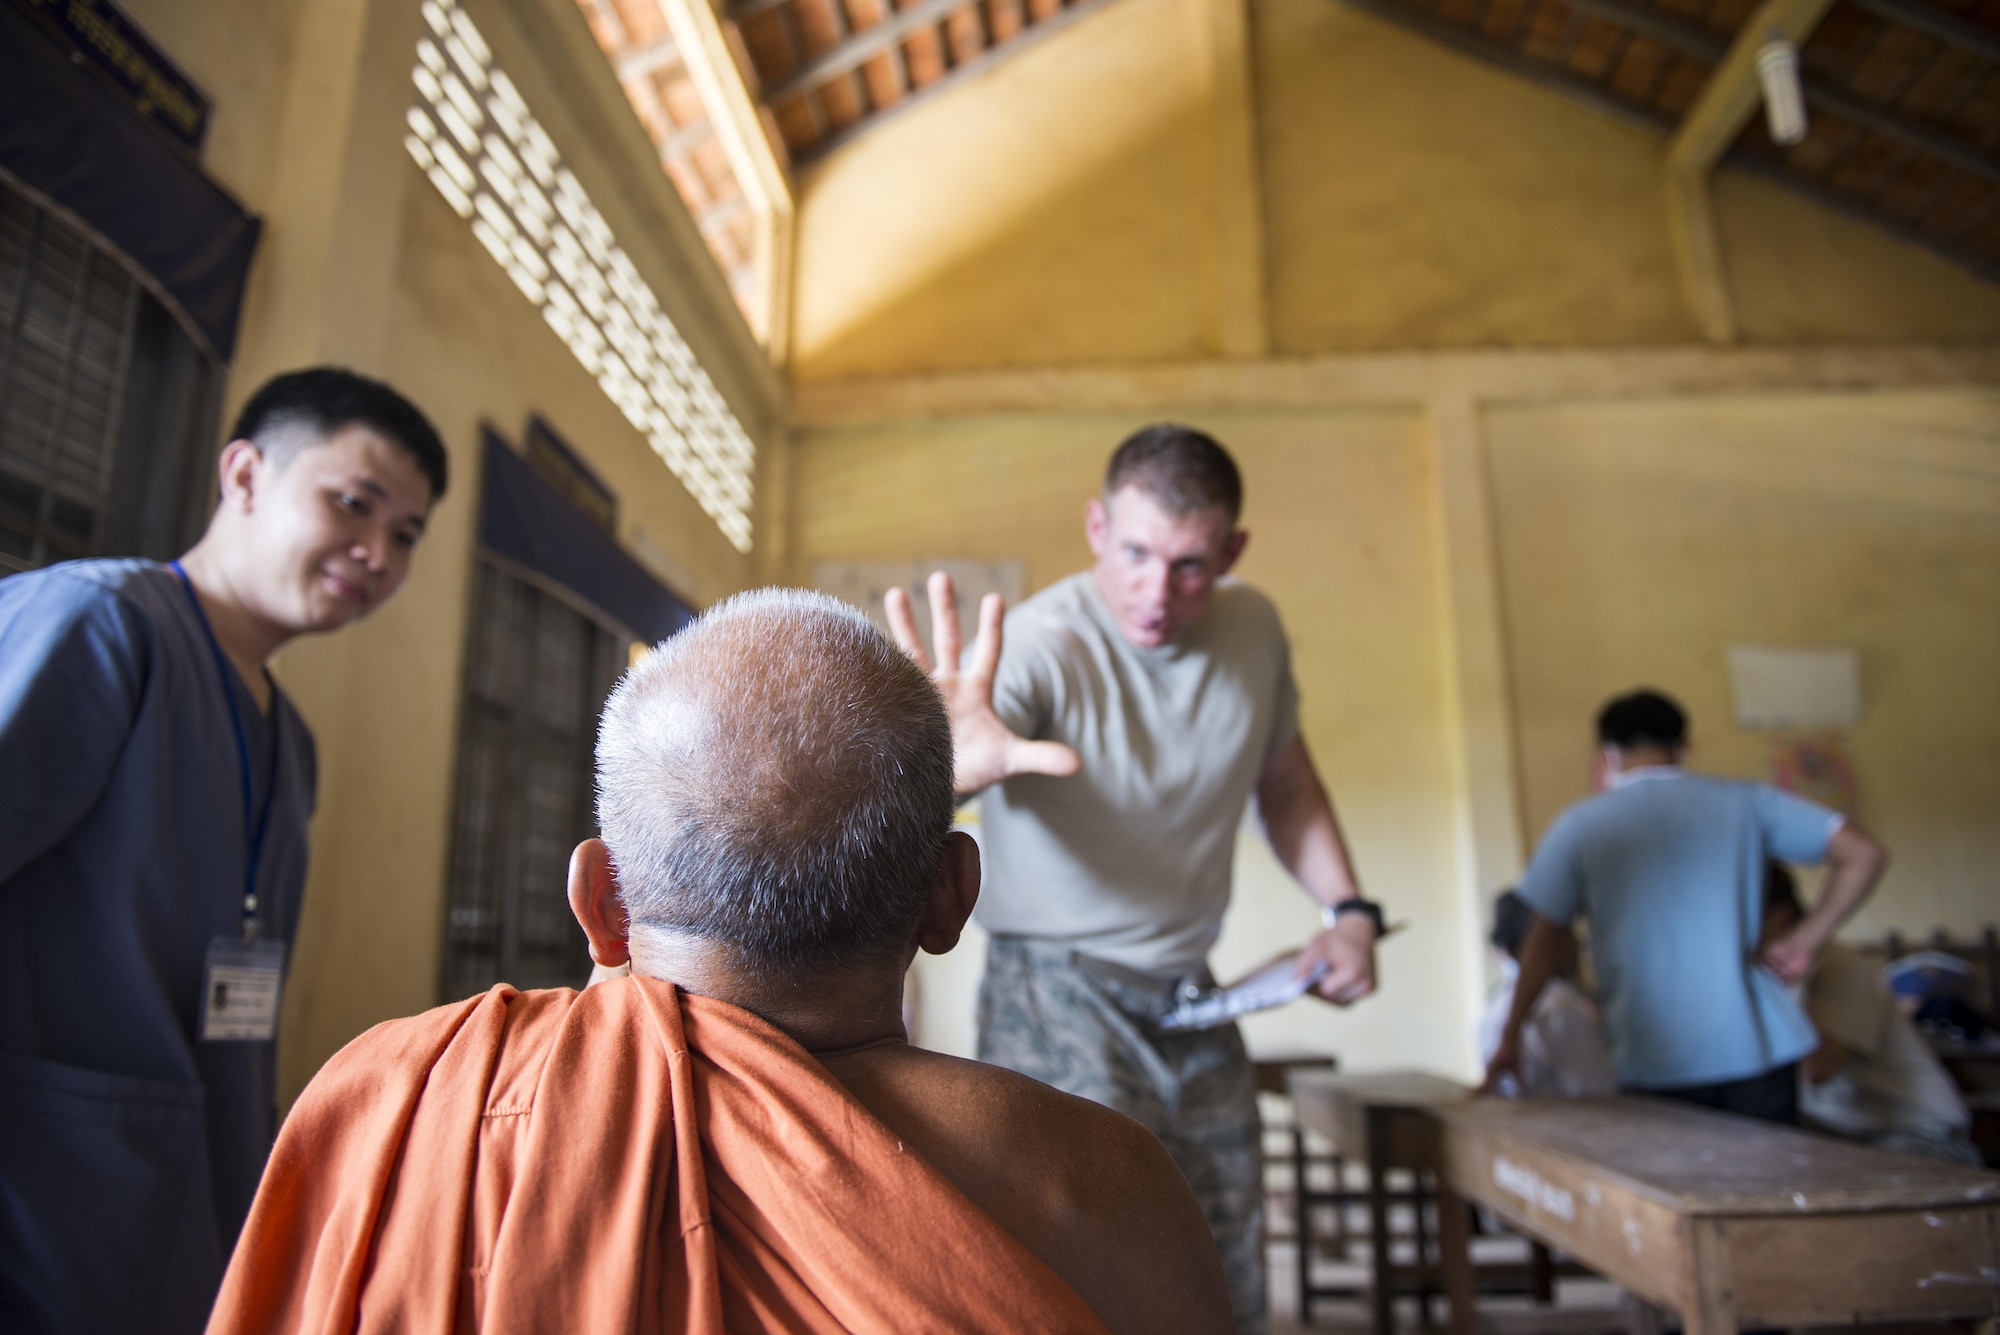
x: 1581, y: 1304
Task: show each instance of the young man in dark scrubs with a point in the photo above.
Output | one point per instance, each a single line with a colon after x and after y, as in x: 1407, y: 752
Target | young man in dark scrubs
x: 155, y: 787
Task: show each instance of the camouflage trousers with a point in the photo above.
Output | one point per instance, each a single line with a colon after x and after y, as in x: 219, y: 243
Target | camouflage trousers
x: 1086, y: 1027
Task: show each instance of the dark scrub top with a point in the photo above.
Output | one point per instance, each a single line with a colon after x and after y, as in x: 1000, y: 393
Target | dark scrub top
x: 129, y: 1149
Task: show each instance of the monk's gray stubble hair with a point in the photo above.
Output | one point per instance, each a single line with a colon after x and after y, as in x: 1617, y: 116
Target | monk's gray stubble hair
x: 777, y: 778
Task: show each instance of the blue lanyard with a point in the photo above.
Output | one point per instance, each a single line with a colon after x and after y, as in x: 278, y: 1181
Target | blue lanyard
x: 254, y: 833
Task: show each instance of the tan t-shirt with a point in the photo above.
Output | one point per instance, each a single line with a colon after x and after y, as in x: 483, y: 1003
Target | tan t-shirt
x: 1892, y: 1081
x: 1129, y: 860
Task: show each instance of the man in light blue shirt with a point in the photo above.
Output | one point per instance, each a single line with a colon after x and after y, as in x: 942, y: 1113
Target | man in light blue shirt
x: 1669, y: 868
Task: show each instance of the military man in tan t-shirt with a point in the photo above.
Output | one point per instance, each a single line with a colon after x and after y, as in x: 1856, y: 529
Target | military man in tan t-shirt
x: 1138, y: 707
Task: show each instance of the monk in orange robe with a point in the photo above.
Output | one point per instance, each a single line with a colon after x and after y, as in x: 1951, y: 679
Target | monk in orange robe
x: 737, y: 1136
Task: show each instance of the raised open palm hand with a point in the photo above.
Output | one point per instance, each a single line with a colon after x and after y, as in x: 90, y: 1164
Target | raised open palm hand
x: 985, y: 749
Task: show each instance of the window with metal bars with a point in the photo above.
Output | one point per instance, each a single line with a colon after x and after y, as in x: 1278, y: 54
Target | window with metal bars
x: 107, y: 407
x: 537, y: 673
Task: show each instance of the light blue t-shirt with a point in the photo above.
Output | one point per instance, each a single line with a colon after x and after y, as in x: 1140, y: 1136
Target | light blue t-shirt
x: 1669, y: 869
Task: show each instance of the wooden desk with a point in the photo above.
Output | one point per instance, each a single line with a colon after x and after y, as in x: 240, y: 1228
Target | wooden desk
x: 1727, y: 1221
x: 1379, y: 1120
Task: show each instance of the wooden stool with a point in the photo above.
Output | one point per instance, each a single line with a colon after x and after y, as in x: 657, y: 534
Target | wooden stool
x: 1380, y: 1120
x: 1271, y: 1075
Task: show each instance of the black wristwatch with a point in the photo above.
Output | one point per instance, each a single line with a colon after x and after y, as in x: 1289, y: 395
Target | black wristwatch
x: 1367, y: 908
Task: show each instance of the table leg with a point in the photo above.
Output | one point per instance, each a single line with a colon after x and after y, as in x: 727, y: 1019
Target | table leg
x: 1713, y: 1311
x: 1302, y: 1228
x: 1461, y: 1284
x: 1709, y: 1317
x: 1542, y: 1272
x: 1646, y: 1318
x: 1417, y: 1202
x: 1383, y: 1297
x: 1340, y: 1204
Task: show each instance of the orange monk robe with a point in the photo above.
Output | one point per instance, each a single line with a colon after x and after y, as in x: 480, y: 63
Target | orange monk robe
x: 627, y: 1159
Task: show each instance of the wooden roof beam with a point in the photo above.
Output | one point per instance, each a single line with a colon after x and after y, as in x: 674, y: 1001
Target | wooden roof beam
x: 605, y: 13
x: 1732, y: 93
x: 753, y: 158
x: 641, y: 62
x: 1032, y: 32
x: 679, y: 141
x: 1694, y: 40
x: 1576, y: 87
x: 862, y: 46
x: 1959, y: 154
x: 1711, y: 125
x: 750, y: 9
x: 1933, y: 21
x: 1666, y: 29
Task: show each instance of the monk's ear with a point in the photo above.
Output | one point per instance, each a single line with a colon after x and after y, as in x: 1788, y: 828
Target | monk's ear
x: 594, y: 899
x: 953, y: 893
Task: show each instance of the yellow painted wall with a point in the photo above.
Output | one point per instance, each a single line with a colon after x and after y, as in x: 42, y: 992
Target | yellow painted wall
x: 1340, y: 521
x: 406, y: 292
x: 1040, y: 214
x: 1638, y: 540
x: 1801, y: 273
x: 1055, y: 211
x: 240, y: 54
x: 1419, y: 198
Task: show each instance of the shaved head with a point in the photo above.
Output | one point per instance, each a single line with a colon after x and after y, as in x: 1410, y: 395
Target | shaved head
x: 777, y: 779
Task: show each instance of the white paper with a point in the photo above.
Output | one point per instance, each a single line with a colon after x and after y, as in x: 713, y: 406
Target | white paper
x: 1795, y: 688
x: 1273, y: 985
x: 863, y: 583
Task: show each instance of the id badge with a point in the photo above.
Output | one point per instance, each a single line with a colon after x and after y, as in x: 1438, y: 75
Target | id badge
x: 239, y: 990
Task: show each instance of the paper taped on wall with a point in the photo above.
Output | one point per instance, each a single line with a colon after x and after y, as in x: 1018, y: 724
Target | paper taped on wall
x: 863, y: 583
x: 1795, y: 688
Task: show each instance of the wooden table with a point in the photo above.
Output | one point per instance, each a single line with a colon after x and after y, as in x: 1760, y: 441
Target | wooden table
x: 1381, y: 1121
x: 1730, y: 1222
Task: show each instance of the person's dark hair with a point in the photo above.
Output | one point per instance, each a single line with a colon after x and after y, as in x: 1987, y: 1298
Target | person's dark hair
x: 1780, y: 890
x: 777, y: 778
x: 1643, y: 718
x: 325, y: 399
x: 1185, y: 470
x: 1511, y: 920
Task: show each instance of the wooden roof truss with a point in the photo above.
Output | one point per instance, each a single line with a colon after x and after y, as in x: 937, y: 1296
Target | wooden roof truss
x: 825, y: 69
